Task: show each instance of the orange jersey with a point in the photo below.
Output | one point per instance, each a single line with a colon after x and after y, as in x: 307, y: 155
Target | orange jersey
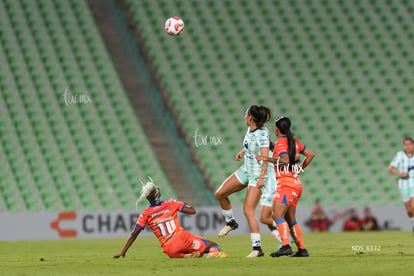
x: 281, y: 147
x: 162, y: 219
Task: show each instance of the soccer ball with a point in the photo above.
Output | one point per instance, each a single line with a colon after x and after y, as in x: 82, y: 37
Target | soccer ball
x: 174, y: 26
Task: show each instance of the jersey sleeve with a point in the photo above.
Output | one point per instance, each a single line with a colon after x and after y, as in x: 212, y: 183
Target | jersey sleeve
x: 264, y: 141
x: 302, y: 147
x: 142, y: 221
x: 395, y: 161
x: 176, y: 205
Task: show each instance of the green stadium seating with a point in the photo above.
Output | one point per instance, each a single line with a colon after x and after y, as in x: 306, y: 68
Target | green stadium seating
x: 340, y: 69
x: 55, y: 156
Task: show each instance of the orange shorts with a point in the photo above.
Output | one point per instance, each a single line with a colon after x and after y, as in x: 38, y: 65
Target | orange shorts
x: 183, y: 243
x: 288, y: 193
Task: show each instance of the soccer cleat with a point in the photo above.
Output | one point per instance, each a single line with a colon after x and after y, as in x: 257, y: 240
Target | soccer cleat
x: 232, y: 225
x: 278, y: 247
x: 301, y: 253
x: 285, y: 250
x: 193, y: 255
x: 255, y: 253
x: 216, y: 254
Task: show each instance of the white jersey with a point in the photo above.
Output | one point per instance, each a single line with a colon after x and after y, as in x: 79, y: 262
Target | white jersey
x: 253, y: 142
x: 403, y: 163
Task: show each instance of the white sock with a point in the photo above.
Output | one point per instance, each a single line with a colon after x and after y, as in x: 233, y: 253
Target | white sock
x: 255, y: 237
x: 275, y: 234
x: 228, y: 215
x: 412, y: 221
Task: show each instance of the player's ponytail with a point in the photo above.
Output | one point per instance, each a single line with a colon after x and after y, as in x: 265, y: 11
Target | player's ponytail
x: 283, y: 124
x: 260, y: 114
x: 271, y: 146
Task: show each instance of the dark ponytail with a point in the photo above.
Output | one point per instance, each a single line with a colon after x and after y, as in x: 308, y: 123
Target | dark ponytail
x: 283, y: 124
x: 260, y: 114
x: 271, y: 146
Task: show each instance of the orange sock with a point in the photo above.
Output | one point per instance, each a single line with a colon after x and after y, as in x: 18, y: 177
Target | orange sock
x: 297, y: 234
x: 282, y: 228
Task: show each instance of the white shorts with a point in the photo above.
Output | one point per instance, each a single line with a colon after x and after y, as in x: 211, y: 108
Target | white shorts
x: 407, y: 193
x: 247, y: 179
x: 268, y: 190
x: 270, y: 183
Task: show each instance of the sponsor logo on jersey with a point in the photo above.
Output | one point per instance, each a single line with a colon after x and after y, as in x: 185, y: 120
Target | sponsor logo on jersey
x: 196, y: 244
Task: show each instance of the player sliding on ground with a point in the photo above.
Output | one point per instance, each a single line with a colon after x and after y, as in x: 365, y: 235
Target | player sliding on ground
x: 161, y: 217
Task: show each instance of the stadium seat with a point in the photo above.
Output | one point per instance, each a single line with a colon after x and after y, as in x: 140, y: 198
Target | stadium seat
x: 66, y: 151
x: 343, y: 80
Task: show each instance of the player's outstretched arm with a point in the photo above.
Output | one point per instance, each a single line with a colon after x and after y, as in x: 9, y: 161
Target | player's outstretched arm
x: 188, y: 209
x: 281, y: 160
x: 128, y: 243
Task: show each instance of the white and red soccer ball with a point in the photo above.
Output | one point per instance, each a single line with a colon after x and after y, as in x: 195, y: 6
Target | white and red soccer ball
x: 174, y: 26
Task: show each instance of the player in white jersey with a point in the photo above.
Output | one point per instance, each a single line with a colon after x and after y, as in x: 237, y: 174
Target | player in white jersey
x: 251, y: 174
x: 403, y: 166
x: 266, y: 200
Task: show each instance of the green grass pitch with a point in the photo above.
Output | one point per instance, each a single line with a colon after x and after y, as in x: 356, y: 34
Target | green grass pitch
x: 368, y: 253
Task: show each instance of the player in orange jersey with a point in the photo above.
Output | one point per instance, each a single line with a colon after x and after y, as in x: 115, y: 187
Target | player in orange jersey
x: 161, y: 217
x: 289, y: 187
